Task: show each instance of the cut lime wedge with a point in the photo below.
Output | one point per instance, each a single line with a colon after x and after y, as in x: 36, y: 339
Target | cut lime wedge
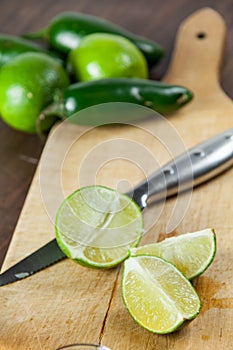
x: 157, y: 295
x: 191, y: 253
x: 96, y: 226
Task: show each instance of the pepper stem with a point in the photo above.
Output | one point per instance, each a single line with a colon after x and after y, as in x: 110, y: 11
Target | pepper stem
x: 48, y: 117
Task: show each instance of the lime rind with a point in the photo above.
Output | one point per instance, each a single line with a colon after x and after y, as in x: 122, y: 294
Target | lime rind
x: 88, y: 60
x: 79, y: 257
x: 192, y: 253
x: 88, y: 247
x: 139, y: 309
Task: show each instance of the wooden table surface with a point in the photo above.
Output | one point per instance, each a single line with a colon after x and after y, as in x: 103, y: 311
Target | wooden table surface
x: 157, y: 20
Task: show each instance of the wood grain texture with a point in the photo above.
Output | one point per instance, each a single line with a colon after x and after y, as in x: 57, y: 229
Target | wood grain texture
x: 19, y: 153
x: 196, y: 64
x: 67, y: 303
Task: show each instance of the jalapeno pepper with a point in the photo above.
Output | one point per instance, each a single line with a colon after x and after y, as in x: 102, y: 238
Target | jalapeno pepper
x: 11, y: 46
x: 66, y: 30
x: 161, y: 97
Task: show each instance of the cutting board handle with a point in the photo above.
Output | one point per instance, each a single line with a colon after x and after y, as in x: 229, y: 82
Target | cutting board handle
x: 200, y: 40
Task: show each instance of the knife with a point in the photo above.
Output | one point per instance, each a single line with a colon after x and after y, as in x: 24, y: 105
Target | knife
x: 197, y: 165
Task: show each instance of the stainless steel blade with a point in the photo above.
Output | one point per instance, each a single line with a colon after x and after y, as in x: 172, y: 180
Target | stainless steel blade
x: 49, y: 254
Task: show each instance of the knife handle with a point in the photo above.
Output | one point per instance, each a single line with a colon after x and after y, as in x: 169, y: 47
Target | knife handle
x: 191, y: 168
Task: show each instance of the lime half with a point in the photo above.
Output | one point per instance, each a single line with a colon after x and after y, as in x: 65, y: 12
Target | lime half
x: 191, y: 253
x: 97, y: 225
x: 157, y: 295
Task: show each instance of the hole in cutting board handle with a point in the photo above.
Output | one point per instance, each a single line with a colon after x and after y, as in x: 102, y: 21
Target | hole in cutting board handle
x: 201, y: 35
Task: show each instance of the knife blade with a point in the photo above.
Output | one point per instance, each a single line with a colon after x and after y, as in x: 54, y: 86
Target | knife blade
x: 45, y: 256
x: 199, y: 164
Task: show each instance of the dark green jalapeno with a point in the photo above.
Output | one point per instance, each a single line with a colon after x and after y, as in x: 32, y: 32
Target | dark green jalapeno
x: 161, y: 97
x: 66, y: 30
x: 11, y: 46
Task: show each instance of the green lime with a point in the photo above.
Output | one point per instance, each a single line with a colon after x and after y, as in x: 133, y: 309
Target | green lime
x: 157, y: 295
x: 29, y: 83
x: 191, y: 253
x: 103, y: 55
x: 96, y: 226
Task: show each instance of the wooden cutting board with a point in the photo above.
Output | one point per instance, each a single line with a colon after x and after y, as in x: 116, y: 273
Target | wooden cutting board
x: 67, y: 303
